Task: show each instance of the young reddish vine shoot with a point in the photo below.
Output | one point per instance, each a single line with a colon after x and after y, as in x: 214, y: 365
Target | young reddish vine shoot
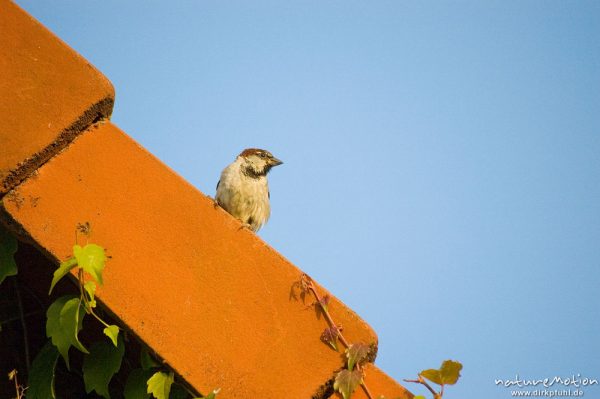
x: 307, y: 285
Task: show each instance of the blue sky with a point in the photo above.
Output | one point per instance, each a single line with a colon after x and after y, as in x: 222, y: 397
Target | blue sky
x: 442, y: 159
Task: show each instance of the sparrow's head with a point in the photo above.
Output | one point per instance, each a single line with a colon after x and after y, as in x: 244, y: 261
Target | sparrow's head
x: 258, y: 162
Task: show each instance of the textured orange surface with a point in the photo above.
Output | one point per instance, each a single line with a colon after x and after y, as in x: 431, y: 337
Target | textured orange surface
x: 211, y: 299
x: 48, y: 94
x: 379, y: 384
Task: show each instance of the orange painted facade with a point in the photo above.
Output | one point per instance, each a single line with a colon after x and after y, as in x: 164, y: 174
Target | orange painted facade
x: 211, y: 299
x: 48, y: 95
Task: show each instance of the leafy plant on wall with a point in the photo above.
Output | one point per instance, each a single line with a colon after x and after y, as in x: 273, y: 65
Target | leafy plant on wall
x: 349, y: 378
x: 64, y: 322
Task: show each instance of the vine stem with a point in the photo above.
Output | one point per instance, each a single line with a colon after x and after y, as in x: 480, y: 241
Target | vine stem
x: 88, y: 307
x: 313, y: 289
x: 17, y: 390
x: 363, y: 384
x: 23, y: 324
x: 13, y: 376
x: 80, y: 280
x: 99, y: 319
x: 424, y: 383
x: 310, y: 285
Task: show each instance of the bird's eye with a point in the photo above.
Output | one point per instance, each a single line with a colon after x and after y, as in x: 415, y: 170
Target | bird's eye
x: 263, y: 155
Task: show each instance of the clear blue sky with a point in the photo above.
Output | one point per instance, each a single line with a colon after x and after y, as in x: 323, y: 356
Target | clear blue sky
x: 442, y: 159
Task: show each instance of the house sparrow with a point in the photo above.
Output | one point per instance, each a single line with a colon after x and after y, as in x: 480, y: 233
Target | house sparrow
x: 243, y: 190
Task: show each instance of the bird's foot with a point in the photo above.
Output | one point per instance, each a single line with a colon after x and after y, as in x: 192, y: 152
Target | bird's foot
x: 246, y: 226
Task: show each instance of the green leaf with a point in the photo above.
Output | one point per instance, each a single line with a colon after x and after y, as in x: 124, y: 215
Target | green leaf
x: 450, y: 371
x: 432, y: 375
x: 41, y: 377
x: 53, y: 331
x: 135, y: 387
x: 71, y: 320
x: 103, y: 361
x: 112, y: 332
x: 159, y: 385
x: 147, y: 361
x: 63, y: 269
x: 357, y: 354
x: 62, y: 337
x: 90, y: 288
x: 8, y: 248
x: 346, y: 382
x: 447, y: 374
x: 91, y: 258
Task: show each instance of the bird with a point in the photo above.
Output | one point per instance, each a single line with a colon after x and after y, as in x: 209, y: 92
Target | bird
x: 243, y: 189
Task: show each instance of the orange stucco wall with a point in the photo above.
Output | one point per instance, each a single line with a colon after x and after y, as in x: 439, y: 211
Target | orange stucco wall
x: 48, y: 94
x: 212, y: 300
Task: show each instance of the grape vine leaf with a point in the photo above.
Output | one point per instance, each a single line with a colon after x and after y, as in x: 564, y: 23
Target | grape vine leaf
x: 135, y: 387
x: 63, y: 269
x: 59, y: 335
x: 112, y: 332
x: 99, y: 366
x: 447, y: 374
x: 346, y: 382
x: 357, y: 353
x: 8, y: 248
x: 91, y: 258
x: 41, y: 377
x: 159, y: 385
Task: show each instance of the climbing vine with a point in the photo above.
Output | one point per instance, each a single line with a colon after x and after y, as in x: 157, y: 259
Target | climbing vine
x: 447, y: 374
x: 64, y: 322
x: 357, y: 354
x: 103, y: 359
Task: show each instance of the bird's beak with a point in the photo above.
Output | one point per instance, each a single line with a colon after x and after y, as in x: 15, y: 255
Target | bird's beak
x: 274, y: 161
